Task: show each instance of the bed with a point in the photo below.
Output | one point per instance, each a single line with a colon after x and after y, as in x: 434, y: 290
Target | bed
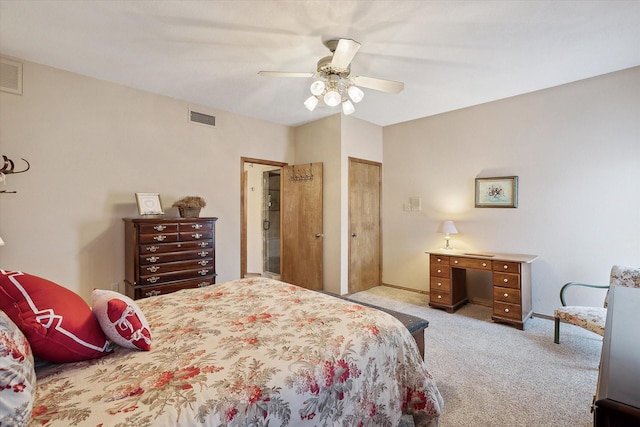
x: 250, y: 352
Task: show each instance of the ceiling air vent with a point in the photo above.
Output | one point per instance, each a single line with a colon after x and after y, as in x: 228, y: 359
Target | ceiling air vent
x: 201, y: 118
x: 10, y: 76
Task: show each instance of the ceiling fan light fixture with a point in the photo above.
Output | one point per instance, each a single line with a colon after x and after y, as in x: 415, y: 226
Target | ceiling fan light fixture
x: 332, y: 98
x: 355, y: 93
x: 348, y: 108
x: 317, y: 87
x: 311, y: 103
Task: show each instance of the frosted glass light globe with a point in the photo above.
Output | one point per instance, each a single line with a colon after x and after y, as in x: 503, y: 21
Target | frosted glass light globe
x: 332, y: 98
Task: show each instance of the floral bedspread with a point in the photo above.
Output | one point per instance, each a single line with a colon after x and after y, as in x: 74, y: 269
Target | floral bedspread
x: 251, y: 352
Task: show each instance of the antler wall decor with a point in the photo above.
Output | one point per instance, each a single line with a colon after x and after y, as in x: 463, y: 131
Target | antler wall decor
x: 8, y: 168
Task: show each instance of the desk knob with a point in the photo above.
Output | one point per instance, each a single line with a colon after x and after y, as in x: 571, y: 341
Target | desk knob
x: 506, y: 295
x: 439, y: 271
x: 439, y: 284
x: 506, y: 267
x: 484, y: 264
x: 455, y: 262
x: 439, y: 296
x: 506, y: 310
x: 439, y: 260
x: 506, y: 280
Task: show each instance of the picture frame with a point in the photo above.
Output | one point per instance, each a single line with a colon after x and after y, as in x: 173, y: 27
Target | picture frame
x: 149, y: 204
x: 497, y: 192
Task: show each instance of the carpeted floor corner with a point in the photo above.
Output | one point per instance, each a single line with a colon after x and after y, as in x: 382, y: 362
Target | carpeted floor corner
x: 492, y: 374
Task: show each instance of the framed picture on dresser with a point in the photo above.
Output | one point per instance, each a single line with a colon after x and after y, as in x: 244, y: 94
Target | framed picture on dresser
x: 149, y: 204
x: 497, y: 192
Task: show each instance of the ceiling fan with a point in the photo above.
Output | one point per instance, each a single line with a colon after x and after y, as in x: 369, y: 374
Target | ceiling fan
x: 333, y: 83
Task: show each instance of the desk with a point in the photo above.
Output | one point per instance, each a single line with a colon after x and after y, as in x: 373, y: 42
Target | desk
x: 511, y: 279
x: 617, y: 400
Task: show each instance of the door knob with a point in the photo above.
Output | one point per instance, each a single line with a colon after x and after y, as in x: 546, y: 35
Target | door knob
x: 318, y: 235
x: 354, y: 234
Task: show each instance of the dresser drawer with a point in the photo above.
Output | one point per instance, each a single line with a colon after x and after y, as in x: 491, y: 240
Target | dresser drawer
x: 438, y: 297
x: 506, y: 280
x: 159, y: 238
x: 196, y: 226
x: 158, y: 228
x: 506, y: 310
x: 158, y: 278
x: 195, y: 235
x: 168, y: 267
x: 440, y: 270
x: 174, y: 247
x: 440, y: 284
x: 439, y: 259
x: 506, y: 267
x: 150, y: 291
x: 509, y: 295
x: 158, y: 258
x: 479, y: 264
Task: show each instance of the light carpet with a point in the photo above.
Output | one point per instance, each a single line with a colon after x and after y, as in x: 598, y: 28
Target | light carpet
x: 491, y: 374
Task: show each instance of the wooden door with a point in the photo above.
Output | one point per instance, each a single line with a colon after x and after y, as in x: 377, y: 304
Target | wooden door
x: 365, y: 254
x: 302, y: 238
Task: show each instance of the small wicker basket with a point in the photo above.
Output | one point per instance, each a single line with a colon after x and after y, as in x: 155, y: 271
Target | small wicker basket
x: 189, y: 212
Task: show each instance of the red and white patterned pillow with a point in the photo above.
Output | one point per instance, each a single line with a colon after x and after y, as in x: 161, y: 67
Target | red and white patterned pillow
x: 57, y: 322
x: 121, y: 319
x: 17, y: 375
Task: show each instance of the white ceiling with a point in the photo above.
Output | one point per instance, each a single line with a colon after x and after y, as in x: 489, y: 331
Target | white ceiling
x: 449, y: 54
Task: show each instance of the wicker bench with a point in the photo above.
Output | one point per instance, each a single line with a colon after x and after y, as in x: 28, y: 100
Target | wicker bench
x: 415, y: 325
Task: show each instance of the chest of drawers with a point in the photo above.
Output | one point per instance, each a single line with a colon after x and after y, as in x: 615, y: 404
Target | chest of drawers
x: 166, y: 255
x: 510, y: 276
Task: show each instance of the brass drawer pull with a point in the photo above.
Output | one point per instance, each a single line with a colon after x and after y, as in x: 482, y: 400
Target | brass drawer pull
x: 197, y: 226
x: 153, y: 279
x: 153, y: 258
x: 160, y: 227
x: 203, y: 262
x: 203, y: 244
x: 152, y: 293
x: 153, y: 248
x: 203, y: 272
x: 153, y: 268
x: 196, y: 235
x: 203, y: 284
x: 203, y: 253
x: 160, y: 238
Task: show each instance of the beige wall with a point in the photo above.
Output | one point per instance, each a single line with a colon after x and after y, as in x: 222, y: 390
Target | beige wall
x: 576, y: 150
x: 92, y: 145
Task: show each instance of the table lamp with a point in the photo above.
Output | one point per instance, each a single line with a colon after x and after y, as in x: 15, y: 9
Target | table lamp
x: 447, y: 227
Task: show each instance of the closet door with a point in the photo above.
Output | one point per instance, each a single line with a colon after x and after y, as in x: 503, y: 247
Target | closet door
x: 365, y: 241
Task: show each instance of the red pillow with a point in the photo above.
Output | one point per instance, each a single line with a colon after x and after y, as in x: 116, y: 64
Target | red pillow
x: 57, y: 322
x: 121, y: 319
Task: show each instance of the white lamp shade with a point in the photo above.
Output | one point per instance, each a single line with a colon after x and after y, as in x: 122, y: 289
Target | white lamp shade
x: 311, y: 103
x: 348, y: 108
x: 355, y: 93
x: 317, y: 87
x: 447, y: 227
x: 332, y: 98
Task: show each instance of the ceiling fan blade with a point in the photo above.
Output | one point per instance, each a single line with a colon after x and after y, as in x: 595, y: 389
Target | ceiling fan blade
x: 284, y: 74
x: 379, y: 84
x: 344, y: 53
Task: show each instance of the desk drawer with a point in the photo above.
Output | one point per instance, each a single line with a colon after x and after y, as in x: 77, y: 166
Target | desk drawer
x: 438, y: 297
x: 508, y: 295
x: 440, y: 270
x: 478, y: 264
x: 508, y: 311
x: 506, y: 280
x: 506, y: 267
x: 439, y: 259
x: 440, y: 284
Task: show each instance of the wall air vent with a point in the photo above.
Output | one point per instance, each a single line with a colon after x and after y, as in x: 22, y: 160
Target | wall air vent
x: 201, y: 118
x: 10, y: 76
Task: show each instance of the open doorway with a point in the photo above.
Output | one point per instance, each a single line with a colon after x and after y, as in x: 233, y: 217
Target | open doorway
x: 261, y: 218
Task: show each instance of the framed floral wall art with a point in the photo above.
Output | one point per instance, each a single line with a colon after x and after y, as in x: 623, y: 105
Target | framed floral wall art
x: 497, y: 192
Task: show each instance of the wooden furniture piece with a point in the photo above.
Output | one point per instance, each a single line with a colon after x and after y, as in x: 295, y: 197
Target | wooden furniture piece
x: 511, y: 278
x: 163, y: 255
x: 617, y: 400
